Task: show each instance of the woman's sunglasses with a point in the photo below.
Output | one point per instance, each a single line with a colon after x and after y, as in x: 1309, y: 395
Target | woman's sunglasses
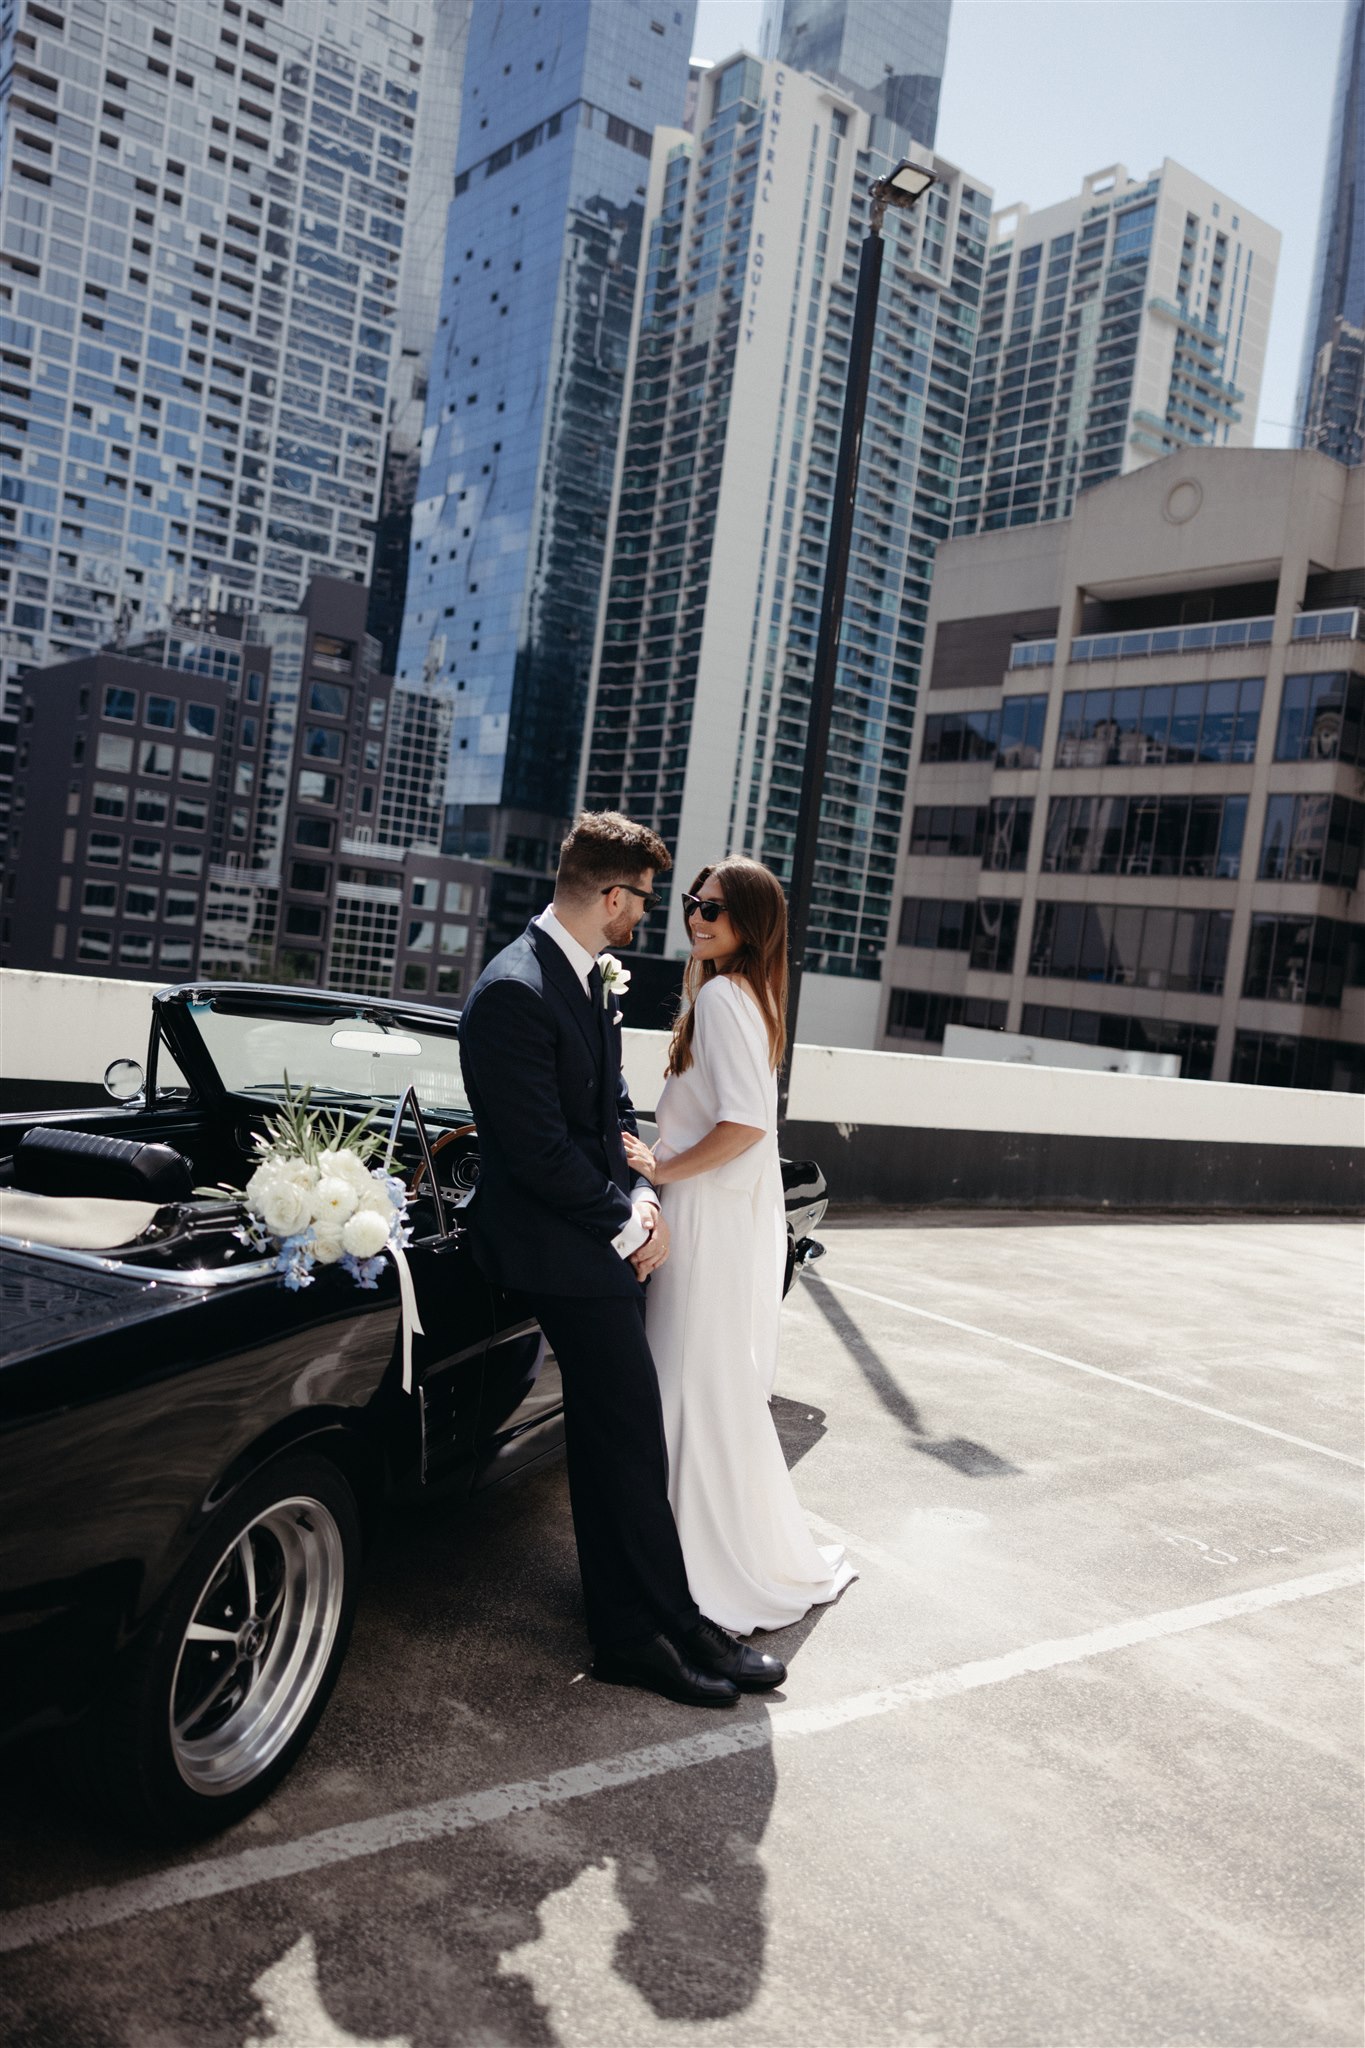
x: 707, y: 908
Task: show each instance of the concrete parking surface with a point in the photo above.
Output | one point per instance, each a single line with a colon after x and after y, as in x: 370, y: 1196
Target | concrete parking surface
x: 1073, y: 1765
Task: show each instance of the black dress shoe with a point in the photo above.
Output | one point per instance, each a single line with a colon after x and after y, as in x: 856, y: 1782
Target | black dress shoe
x: 660, y: 1666
x: 716, y: 1650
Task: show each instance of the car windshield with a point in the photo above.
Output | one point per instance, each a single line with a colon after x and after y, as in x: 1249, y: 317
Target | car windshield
x: 348, y: 1054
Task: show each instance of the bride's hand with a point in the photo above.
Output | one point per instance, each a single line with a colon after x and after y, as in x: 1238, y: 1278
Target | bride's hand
x: 638, y: 1155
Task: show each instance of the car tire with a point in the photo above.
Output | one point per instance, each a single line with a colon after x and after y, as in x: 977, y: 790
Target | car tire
x: 212, y: 1704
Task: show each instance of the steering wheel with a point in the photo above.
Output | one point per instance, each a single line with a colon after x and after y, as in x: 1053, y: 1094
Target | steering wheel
x: 446, y: 1138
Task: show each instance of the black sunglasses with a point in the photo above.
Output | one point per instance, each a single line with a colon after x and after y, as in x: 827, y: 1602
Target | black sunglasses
x: 708, y: 908
x: 650, y: 902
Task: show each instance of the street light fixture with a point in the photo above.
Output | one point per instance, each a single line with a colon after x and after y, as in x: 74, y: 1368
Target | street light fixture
x: 901, y: 190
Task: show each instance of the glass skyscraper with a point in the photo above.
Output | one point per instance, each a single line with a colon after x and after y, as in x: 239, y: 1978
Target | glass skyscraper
x: 1332, y: 381
x: 203, y: 226
x: 561, y: 99
x: 707, y: 640
x: 888, y: 54
x: 1116, y: 327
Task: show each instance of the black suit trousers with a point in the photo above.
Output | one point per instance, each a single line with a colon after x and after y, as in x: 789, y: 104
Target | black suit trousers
x: 634, y: 1578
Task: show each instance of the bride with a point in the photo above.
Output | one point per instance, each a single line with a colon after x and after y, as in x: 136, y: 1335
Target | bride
x: 712, y: 1307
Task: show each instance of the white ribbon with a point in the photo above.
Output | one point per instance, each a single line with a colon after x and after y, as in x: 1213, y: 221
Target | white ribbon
x: 407, y: 1294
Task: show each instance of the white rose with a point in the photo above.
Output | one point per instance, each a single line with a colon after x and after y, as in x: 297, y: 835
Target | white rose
x: 283, y: 1208
x: 375, y: 1198
x: 297, y: 1172
x: 333, y: 1203
x: 366, y: 1234
x: 327, y: 1246
x: 343, y: 1165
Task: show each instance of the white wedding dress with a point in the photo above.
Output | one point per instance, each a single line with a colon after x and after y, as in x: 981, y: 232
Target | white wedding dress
x: 712, y: 1313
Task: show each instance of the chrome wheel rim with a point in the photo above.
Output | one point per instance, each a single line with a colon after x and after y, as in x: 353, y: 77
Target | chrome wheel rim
x: 257, y: 1646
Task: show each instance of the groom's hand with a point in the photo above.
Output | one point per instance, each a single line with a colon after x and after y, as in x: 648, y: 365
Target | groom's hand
x: 654, y: 1250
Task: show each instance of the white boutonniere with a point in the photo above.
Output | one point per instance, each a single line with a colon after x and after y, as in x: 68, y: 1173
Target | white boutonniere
x: 615, y: 980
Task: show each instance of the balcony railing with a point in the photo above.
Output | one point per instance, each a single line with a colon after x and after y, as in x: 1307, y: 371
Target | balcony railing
x: 1173, y: 640
x: 1341, y: 625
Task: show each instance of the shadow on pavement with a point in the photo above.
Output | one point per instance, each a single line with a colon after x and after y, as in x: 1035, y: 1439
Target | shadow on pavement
x: 640, y: 1904
x: 973, y: 1460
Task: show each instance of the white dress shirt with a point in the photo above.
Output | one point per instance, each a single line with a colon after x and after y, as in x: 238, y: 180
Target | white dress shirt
x: 633, y: 1234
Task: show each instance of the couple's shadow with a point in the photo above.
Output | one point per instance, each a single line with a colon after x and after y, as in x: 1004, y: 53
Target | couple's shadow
x: 641, y: 1904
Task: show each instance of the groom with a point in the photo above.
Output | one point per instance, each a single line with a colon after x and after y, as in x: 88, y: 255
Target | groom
x: 559, y: 1217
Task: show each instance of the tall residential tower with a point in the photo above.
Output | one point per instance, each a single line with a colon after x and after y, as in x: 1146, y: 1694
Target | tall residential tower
x: 721, y: 514
x: 1116, y: 327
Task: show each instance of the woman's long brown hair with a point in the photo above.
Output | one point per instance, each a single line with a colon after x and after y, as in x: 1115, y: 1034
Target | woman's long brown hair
x: 758, y: 912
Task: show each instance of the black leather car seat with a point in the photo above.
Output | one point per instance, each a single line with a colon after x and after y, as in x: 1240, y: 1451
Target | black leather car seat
x: 54, y: 1162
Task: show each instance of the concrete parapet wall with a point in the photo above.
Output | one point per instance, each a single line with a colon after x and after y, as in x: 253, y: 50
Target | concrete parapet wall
x: 902, y: 1128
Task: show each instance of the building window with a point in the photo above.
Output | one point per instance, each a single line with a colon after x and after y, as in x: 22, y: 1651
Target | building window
x: 459, y: 898
x: 424, y: 894
x: 316, y: 788
x: 104, y: 849
x: 454, y: 938
x: 421, y: 936
x: 95, y: 946
x: 109, y: 800
x: 1145, y: 835
x: 1131, y: 946
x: 1312, y: 838
x: 447, y: 981
x: 150, y: 807
x: 1009, y: 825
x: 144, y: 856
x: 1163, y: 722
x: 135, y: 949
x: 162, y: 711
x: 201, y: 720
x: 314, y: 832
x: 1193, y: 1044
x: 121, y: 704
x: 113, y: 752
x: 1274, y: 1060
x: 985, y: 929
x: 191, y: 813
x: 177, y: 955
x: 196, y: 765
x: 918, y: 1014
x: 310, y: 877
x: 157, y: 758
x: 332, y: 700
x: 302, y: 921
x: 99, y: 899
x: 416, y: 977
x: 1303, y: 959
x: 187, y: 860
x: 1322, y: 718
x: 139, y: 902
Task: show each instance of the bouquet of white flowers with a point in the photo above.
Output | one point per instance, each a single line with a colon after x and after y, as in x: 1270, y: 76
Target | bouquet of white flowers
x: 317, y: 1198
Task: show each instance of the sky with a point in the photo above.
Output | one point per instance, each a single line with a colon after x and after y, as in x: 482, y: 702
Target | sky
x: 1037, y: 93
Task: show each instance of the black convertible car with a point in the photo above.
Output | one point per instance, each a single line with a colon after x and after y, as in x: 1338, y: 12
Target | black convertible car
x: 189, y: 1452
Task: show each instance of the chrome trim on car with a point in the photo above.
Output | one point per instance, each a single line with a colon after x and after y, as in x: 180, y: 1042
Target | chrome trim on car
x: 155, y: 1276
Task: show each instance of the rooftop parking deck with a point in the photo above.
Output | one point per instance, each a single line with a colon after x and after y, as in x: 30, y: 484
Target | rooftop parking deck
x: 1074, y: 1764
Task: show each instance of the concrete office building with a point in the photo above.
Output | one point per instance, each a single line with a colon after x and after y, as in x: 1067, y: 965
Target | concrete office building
x: 1332, y: 381
x: 203, y: 226
x: 1116, y: 327
x: 1137, y: 810
x: 707, y: 638
x: 211, y: 804
x: 561, y: 99
x: 888, y: 54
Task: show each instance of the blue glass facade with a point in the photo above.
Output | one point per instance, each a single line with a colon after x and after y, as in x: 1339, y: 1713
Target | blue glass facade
x: 560, y: 103
x: 203, y: 221
x: 1332, y: 382
x: 888, y: 53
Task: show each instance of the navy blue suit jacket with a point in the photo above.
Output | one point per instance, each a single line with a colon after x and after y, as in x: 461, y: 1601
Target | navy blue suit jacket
x: 542, y: 1066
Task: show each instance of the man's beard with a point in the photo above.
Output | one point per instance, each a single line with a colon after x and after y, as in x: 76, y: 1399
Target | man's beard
x: 622, y: 932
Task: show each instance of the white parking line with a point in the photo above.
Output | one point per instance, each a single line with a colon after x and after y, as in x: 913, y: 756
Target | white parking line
x: 106, y: 1905
x: 1097, y: 1371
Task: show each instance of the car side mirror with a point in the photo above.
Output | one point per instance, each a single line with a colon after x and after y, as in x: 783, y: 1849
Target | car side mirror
x: 123, y: 1079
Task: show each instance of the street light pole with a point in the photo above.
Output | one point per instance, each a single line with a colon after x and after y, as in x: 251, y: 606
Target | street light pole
x: 901, y: 188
